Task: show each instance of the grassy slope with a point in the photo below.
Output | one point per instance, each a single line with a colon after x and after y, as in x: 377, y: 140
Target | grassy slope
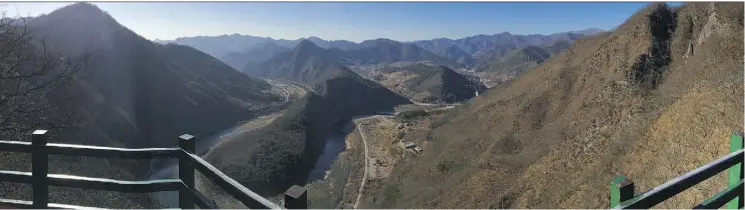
x: 432, y: 84
x: 555, y: 137
x: 519, y: 61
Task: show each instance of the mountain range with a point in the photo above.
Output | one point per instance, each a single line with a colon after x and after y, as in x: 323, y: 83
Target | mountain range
x: 464, y: 51
x: 565, y: 113
x: 492, y: 58
x: 512, y: 62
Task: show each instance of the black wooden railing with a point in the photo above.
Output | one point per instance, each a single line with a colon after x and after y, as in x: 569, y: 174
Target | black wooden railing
x: 623, y: 196
x: 40, y: 180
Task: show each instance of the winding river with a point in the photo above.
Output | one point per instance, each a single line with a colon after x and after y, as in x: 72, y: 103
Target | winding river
x: 168, y: 169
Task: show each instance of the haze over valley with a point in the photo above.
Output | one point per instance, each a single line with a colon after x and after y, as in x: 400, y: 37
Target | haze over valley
x: 500, y: 120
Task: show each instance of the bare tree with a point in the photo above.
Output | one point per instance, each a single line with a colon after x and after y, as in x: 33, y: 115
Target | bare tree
x: 36, y: 84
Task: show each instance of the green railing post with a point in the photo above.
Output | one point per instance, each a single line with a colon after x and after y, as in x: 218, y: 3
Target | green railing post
x: 186, y: 171
x: 736, y: 172
x: 621, y: 189
x: 296, y: 198
x: 39, y: 170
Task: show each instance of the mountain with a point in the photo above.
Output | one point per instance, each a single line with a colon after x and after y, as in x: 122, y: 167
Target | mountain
x: 306, y: 64
x: 341, y: 44
x: 258, y: 53
x: 318, y: 68
x: 145, y: 80
x: 501, y: 67
x: 379, y: 51
x: 138, y: 94
x: 451, y: 53
x: 458, y: 54
x: 227, y: 46
x: 655, y: 98
x: 221, y: 46
x: 271, y: 159
x: 484, y: 45
x: 588, y: 32
x: 428, y: 83
x: 388, y: 51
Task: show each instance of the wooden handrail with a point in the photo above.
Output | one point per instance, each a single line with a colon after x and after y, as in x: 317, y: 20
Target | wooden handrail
x: 189, y: 197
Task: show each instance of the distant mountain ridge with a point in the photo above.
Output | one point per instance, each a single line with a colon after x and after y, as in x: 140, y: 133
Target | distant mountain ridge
x: 388, y: 51
x: 506, y: 65
x: 261, y: 52
x: 459, y: 51
x: 481, y: 45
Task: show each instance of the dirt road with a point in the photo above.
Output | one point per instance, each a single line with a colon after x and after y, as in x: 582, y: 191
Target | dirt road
x: 359, y: 123
x: 367, y: 162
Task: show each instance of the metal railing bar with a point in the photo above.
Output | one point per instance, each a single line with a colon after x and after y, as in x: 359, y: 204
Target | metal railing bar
x: 113, y: 152
x: 16, y: 203
x: 92, y: 151
x: 687, y: 180
x: 15, y: 176
x: 96, y: 183
x: 39, y: 148
x: 66, y: 206
x: 238, y: 191
x: 720, y: 199
x: 15, y: 146
x: 28, y: 204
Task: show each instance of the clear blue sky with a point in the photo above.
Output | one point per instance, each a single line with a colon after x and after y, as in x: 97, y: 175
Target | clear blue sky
x: 353, y: 21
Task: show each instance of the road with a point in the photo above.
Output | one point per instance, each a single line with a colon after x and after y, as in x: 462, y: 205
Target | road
x: 358, y: 124
x: 364, y: 173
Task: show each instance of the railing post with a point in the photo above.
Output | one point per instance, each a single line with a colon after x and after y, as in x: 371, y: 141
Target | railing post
x: 736, y: 171
x: 186, y: 171
x: 296, y: 198
x: 39, y: 169
x: 621, y: 189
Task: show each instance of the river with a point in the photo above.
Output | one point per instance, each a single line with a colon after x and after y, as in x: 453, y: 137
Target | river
x: 168, y: 169
x: 334, y: 146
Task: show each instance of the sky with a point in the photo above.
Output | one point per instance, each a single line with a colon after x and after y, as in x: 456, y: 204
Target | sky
x: 358, y: 21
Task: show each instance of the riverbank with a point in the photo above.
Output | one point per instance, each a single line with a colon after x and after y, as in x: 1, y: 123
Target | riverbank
x: 331, y: 180
x: 169, y: 168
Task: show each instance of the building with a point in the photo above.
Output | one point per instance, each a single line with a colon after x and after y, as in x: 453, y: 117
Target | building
x: 409, y: 145
x: 418, y: 149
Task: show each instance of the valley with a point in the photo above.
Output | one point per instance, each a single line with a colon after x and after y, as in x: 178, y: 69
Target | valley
x: 169, y: 169
x: 484, y: 121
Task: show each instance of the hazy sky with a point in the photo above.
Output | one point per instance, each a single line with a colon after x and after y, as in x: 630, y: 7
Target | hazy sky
x: 352, y: 21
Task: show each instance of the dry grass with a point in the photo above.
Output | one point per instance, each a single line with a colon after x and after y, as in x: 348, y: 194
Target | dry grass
x: 382, y: 136
x: 554, y: 137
